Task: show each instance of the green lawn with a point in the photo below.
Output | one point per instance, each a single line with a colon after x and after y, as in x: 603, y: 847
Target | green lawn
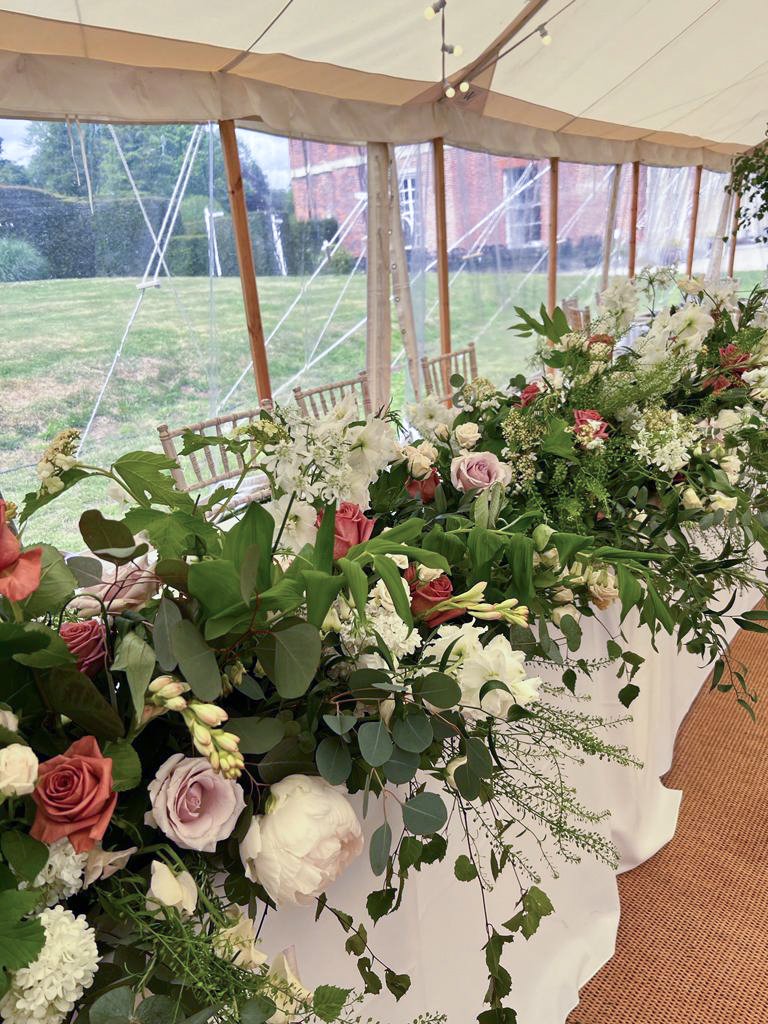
x: 184, y: 353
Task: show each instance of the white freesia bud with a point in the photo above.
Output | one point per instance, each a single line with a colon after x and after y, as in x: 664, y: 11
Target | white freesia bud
x: 690, y: 498
x: 209, y: 714
x: 562, y: 595
x: 178, y: 892
x: 307, y: 838
x: 167, y: 686
x: 18, y: 770
x: 467, y: 435
x: 450, y: 770
x: 8, y: 720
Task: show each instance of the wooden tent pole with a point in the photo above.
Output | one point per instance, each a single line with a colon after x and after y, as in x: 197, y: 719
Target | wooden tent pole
x: 694, y: 219
x: 554, y: 180
x: 443, y: 287
x: 245, y: 259
x: 734, y: 233
x: 610, y: 226
x: 633, y: 218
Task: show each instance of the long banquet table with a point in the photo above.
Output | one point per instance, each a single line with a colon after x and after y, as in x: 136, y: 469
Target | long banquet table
x: 438, y: 934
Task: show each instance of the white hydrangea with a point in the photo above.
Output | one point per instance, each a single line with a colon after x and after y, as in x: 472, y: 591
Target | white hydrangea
x: 358, y: 632
x: 48, y: 989
x: 62, y: 876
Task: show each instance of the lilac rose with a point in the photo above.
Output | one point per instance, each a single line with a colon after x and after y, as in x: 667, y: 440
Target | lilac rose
x: 478, y: 471
x: 195, y: 806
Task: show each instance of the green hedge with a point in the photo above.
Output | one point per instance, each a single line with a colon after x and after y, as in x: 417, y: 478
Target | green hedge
x: 20, y: 261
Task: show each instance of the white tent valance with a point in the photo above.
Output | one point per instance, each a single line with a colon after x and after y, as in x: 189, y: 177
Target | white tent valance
x: 670, y: 84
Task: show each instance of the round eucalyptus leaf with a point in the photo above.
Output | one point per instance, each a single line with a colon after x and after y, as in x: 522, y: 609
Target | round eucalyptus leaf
x: 376, y: 744
x: 401, y: 767
x: 424, y: 814
x: 414, y: 732
x: 333, y: 760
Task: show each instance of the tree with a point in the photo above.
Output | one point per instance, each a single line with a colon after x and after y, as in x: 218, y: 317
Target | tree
x: 11, y: 173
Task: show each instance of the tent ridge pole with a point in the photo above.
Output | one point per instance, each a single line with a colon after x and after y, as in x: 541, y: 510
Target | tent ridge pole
x: 633, y: 219
x: 554, y: 183
x: 441, y: 235
x: 245, y: 259
x: 694, y: 219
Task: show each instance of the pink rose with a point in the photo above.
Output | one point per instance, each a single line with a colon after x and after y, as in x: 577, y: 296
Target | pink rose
x: 477, y: 471
x: 601, y: 339
x: 530, y: 393
x: 424, y: 489
x: 351, y: 527
x: 123, y: 588
x: 192, y: 804
x: 426, y: 595
x: 88, y: 642
x: 74, y: 796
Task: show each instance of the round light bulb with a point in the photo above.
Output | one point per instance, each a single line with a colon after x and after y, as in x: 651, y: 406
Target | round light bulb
x: 450, y: 92
x: 458, y: 50
x: 464, y: 87
x: 429, y: 12
x: 546, y: 38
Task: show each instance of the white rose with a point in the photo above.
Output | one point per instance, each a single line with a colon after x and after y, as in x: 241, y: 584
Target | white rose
x: 722, y: 501
x: 238, y: 944
x: 601, y: 584
x: 18, y: 770
x: 305, y: 840
x: 8, y: 720
x: 690, y: 498
x: 419, y: 461
x: 467, y: 435
x: 558, y: 614
x: 167, y: 889
x: 442, y: 431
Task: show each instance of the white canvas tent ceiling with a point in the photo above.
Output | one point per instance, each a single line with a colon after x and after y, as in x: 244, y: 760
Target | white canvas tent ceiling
x: 679, y: 82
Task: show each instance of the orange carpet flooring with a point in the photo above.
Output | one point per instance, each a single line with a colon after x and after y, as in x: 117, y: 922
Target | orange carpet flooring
x: 692, y: 946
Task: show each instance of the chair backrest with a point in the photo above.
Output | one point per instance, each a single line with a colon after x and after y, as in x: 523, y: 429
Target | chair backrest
x: 578, y: 317
x: 319, y: 401
x: 211, y: 465
x: 438, y: 370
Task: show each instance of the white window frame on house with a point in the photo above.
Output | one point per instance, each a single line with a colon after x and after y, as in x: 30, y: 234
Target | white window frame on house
x: 522, y: 217
x: 409, y: 189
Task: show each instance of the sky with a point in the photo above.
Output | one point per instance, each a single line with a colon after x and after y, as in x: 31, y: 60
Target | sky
x: 270, y: 151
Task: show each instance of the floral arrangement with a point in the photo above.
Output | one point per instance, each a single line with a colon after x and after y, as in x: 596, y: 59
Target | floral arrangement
x: 633, y: 469
x: 196, y: 714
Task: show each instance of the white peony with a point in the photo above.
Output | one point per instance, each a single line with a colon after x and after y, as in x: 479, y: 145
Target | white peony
x: 18, y: 770
x: 167, y: 889
x: 238, y: 944
x: 308, y: 835
x: 467, y: 435
x: 47, y: 990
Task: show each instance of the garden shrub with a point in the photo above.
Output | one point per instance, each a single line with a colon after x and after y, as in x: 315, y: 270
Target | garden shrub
x: 20, y: 261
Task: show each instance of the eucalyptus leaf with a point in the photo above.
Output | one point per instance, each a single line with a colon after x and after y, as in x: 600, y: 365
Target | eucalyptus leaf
x: 424, y: 814
x: 196, y: 661
x: 257, y: 735
x: 379, y: 847
x: 333, y: 759
x: 166, y: 619
x: 375, y: 743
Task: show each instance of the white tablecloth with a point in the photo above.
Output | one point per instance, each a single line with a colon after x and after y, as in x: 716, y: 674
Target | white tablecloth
x: 438, y: 934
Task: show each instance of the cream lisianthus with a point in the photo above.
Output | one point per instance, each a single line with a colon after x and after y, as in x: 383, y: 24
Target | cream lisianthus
x: 238, y: 943
x: 722, y: 501
x: 419, y: 459
x: 167, y: 889
x: 690, y: 498
x: 602, y: 586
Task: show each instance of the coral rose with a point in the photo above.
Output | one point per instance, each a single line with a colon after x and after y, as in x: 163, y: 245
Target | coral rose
x: 74, y: 796
x: 192, y: 804
x: 530, y: 393
x: 88, y: 642
x: 307, y: 837
x: 424, y: 489
x: 479, y: 471
x: 19, y: 570
x: 351, y: 527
